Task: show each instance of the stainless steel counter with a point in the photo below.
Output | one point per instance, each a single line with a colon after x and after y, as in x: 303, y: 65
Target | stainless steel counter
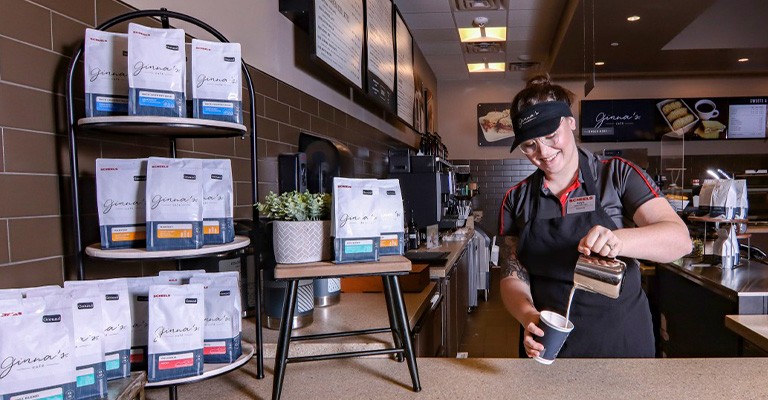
x: 454, y: 247
x: 746, y: 280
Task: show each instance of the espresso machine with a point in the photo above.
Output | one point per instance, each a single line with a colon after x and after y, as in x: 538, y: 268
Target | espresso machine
x: 428, y: 187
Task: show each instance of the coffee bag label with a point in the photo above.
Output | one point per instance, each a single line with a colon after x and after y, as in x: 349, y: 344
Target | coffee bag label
x: 218, y: 204
x: 174, y: 206
x: 175, y: 348
x: 106, y: 73
x: 355, y: 214
x: 34, y: 344
x: 216, y: 81
x: 156, y: 71
x: 223, y: 314
x: 391, y: 217
x: 120, y: 198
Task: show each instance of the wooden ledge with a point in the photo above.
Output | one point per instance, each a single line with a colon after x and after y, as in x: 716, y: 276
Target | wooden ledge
x: 392, y: 265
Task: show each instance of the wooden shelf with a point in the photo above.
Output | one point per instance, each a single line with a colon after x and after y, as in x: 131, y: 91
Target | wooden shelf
x: 209, y: 370
x: 322, y: 269
x: 162, y: 126
x: 96, y: 251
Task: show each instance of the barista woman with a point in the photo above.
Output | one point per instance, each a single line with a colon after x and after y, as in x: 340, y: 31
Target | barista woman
x: 577, y: 202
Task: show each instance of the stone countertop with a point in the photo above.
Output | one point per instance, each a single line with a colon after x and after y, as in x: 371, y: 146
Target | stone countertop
x: 748, y: 279
x: 753, y: 328
x: 354, y: 311
x: 498, y: 378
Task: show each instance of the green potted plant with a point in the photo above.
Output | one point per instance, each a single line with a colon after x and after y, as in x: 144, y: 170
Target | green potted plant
x: 301, y: 226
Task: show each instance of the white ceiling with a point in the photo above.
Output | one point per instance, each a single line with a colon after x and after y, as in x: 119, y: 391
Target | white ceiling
x: 531, y: 26
x: 673, y: 37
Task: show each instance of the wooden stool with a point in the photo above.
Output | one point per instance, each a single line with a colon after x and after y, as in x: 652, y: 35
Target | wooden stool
x: 389, y: 267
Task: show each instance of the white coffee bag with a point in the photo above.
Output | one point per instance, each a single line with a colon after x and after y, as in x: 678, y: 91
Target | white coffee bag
x: 106, y: 73
x: 705, y: 196
x: 138, y: 289
x: 355, y: 220
x: 11, y: 294
x: 391, y: 218
x: 182, y: 277
x: 156, y: 66
x: 36, y: 351
x: 86, y: 314
x: 223, y: 316
x: 176, y: 320
x: 218, y: 203
x: 116, y: 321
x: 216, y: 81
x: 120, y: 198
x: 174, y: 203
x: 723, y: 199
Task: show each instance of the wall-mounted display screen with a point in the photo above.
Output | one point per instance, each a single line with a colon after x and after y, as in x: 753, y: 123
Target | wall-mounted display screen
x: 405, y: 80
x: 701, y: 118
x: 338, y: 31
x: 381, y: 53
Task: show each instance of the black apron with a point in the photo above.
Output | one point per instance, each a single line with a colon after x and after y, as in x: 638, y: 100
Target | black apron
x: 603, y: 327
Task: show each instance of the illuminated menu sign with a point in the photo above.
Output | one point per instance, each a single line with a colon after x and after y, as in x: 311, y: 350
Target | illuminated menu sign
x: 381, y: 53
x: 405, y: 81
x: 748, y: 119
x: 339, y: 37
x: 700, y: 118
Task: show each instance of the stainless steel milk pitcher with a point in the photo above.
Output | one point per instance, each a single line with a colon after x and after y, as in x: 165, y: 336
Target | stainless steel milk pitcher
x: 599, y: 274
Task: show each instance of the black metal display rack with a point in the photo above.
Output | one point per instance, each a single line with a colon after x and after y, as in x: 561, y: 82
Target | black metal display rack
x: 171, y: 128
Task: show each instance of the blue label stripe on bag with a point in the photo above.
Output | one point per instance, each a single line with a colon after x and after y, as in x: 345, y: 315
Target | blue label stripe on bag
x: 218, y: 108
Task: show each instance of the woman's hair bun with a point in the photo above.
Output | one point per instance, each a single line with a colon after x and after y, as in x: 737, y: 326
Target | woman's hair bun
x: 539, y: 80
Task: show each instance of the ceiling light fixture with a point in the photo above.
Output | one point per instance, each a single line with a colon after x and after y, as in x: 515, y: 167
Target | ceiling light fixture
x: 485, y: 66
x: 744, y: 59
x: 633, y: 18
x: 599, y: 63
x: 482, y: 33
x: 614, y: 44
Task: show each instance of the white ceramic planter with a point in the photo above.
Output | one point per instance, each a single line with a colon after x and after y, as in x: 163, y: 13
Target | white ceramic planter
x: 298, y: 242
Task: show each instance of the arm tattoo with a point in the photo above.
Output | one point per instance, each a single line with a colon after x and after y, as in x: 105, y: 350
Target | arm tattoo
x: 511, y: 266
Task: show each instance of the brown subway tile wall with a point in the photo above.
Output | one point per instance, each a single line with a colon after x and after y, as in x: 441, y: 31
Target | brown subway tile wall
x: 36, y: 40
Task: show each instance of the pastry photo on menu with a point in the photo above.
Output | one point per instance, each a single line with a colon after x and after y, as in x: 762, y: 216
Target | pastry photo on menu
x: 495, y: 124
x: 710, y: 125
x: 678, y: 116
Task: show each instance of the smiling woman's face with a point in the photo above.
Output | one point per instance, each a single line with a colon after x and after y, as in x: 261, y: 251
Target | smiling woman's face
x: 559, y: 157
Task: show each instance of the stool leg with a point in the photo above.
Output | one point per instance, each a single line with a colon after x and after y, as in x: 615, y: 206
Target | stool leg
x: 172, y: 394
x: 259, y: 336
x: 407, y: 342
x: 284, y: 338
x: 397, y: 330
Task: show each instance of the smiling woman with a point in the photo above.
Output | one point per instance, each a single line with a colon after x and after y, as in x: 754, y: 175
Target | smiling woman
x: 578, y: 203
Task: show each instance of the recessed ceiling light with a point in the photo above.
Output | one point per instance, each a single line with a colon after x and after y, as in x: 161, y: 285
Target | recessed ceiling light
x: 614, y: 44
x: 599, y: 63
x: 744, y: 59
x: 524, y: 57
x: 486, y: 67
x: 633, y: 18
x: 483, y: 34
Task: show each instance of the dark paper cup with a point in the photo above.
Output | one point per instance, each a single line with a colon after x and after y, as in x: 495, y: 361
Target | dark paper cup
x: 555, y: 333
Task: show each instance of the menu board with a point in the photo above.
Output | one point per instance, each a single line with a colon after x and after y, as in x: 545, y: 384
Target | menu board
x: 684, y: 118
x: 339, y: 37
x: 381, y: 53
x: 405, y: 80
x: 747, y: 121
